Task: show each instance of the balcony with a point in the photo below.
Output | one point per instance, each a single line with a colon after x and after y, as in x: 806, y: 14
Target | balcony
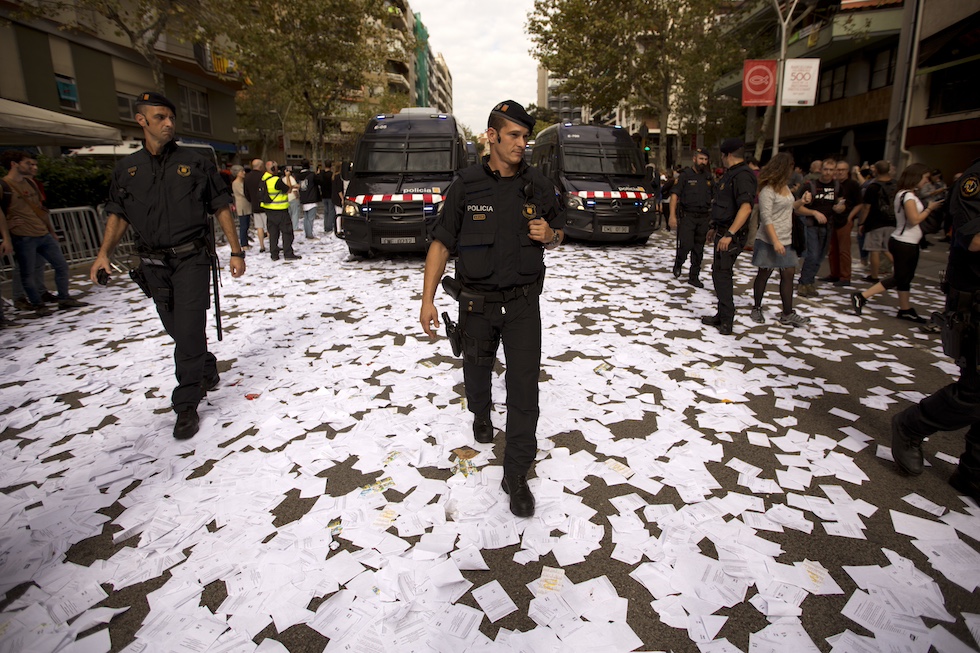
x: 398, y: 83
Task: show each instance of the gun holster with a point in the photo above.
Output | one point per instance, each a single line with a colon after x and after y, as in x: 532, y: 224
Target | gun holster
x: 136, y: 274
x: 454, y: 334
x: 470, y: 302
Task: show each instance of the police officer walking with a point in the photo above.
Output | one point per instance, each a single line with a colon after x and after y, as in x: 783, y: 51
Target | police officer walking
x: 730, y: 213
x: 275, y: 203
x: 958, y: 404
x: 165, y: 193
x: 499, y: 216
x: 690, y: 208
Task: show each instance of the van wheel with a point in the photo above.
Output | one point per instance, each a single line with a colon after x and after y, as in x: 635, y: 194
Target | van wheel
x: 642, y: 241
x: 357, y: 252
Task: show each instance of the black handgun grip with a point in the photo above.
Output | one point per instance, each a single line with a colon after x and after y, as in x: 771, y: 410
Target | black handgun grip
x: 455, y: 337
x: 102, y: 277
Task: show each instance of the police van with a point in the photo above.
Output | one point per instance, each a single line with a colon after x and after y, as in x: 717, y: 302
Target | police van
x: 602, y: 180
x: 402, y: 166
x: 109, y: 155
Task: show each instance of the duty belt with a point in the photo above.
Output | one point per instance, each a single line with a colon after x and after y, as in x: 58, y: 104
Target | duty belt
x: 508, y: 294
x: 157, y: 256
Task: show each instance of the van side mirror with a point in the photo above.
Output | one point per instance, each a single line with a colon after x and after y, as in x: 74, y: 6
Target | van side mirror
x: 345, y: 170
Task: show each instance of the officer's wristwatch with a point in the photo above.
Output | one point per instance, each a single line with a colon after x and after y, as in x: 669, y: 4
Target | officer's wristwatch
x: 240, y: 254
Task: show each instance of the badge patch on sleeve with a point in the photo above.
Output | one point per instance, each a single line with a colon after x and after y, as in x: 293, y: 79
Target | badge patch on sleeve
x: 970, y: 186
x: 132, y: 171
x: 530, y: 211
x: 183, y: 170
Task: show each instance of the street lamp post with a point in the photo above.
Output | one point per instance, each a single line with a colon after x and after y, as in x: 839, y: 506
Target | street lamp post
x: 784, y: 22
x: 285, y: 136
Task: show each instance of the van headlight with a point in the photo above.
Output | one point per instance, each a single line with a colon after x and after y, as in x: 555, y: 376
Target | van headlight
x: 351, y: 209
x: 573, y: 201
x: 649, y: 204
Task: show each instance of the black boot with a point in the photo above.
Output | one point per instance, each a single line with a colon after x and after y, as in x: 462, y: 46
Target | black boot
x: 696, y: 282
x: 209, y: 383
x: 677, y: 269
x: 521, y: 499
x: 962, y: 483
x: 187, y: 424
x: 906, y: 449
x: 482, y: 429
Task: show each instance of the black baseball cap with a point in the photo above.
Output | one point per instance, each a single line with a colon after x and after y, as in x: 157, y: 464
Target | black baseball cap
x: 702, y: 151
x: 514, y: 112
x: 730, y: 145
x: 154, y: 99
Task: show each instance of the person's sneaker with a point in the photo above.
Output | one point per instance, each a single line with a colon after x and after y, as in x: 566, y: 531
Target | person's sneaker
x: 697, y: 283
x: 757, y: 315
x: 23, y: 304
x: 840, y: 283
x: 803, y: 290
x: 482, y: 430
x: 906, y: 449
x: 964, y: 485
x: 187, y: 424
x: 857, y: 302
x: 521, y: 499
x: 71, y: 302
x: 40, y: 310
x: 911, y: 316
x: 48, y: 297
x: 794, y: 319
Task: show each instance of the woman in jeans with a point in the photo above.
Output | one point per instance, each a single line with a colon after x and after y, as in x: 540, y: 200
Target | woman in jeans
x: 770, y: 252
x: 904, y: 243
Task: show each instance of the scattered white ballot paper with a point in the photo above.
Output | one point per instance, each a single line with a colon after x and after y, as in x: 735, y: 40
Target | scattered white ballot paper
x: 638, y: 398
x: 494, y: 601
x: 924, y: 504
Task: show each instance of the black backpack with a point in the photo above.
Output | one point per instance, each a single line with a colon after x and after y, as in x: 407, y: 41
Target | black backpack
x: 263, y: 192
x: 886, y: 202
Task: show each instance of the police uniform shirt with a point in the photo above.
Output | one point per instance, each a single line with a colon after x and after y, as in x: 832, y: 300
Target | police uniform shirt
x: 166, y: 198
x: 484, y: 222
x: 694, y: 190
x: 737, y: 187
x: 964, y: 206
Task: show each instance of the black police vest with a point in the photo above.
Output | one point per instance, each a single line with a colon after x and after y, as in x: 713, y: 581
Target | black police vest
x: 495, y: 250
x: 695, y: 191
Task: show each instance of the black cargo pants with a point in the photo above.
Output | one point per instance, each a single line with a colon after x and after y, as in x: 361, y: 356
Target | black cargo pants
x: 181, y: 289
x: 692, y: 229
x: 723, y: 275
x: 517, y: 323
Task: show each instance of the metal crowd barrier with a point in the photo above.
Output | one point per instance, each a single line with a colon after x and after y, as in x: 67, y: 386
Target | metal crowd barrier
x: 80, y: 230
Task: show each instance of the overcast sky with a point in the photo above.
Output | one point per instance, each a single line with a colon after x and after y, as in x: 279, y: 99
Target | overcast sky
x: 486, y: 48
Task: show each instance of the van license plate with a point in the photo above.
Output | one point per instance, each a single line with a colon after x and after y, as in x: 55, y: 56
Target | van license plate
x: 410, y: 240
x: 615, y: 229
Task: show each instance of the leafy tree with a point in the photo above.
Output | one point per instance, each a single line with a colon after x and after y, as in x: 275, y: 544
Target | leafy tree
x: 309, y: 58
x: 544, y: 116
x: 70, y: 181
x: 637, y: 51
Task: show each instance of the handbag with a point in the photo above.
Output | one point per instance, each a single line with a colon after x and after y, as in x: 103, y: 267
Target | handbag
x: 798, y: 240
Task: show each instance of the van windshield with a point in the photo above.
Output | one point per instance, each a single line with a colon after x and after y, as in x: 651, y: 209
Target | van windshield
x: 405, y: 156
x: 610, y: 160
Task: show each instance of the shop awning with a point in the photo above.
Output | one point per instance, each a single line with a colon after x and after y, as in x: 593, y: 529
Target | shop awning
x: 24, y: 124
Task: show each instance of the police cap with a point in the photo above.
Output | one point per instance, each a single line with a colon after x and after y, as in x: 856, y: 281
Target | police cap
x: 703, y: 151
x: 514, y: 112
x: 154, y: 99
x: 730, y: 145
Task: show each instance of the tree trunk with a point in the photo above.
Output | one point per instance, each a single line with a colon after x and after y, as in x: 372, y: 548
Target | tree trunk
x: 148, y: 53
x: 664, y: 119
x: 760, y: 143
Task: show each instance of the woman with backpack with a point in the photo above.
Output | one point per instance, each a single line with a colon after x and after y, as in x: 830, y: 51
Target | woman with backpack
x: 904, y: 243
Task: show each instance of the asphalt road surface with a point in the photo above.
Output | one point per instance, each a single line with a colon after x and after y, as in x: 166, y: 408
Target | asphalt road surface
x: 691, y: 487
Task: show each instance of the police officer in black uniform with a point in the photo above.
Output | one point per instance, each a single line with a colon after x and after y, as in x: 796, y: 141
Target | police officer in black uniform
x: 165, y: 193
x: 957, y: 405
x: 499, y: 216
x: 690, y: 207
x: 730, y: 213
